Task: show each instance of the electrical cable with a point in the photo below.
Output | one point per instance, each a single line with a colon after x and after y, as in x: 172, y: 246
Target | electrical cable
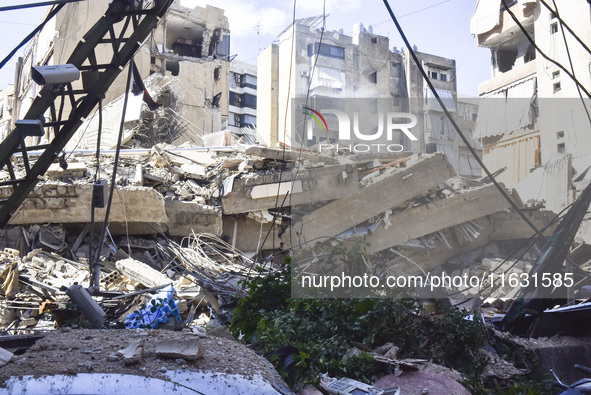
x: 533, y: 43
x: 500, y: 188
x: 272, y: 227
x: 51, y: 14
x: 96, y: 267
x: 96, y: 177
x: 309, y: 89
x: 41, y: 4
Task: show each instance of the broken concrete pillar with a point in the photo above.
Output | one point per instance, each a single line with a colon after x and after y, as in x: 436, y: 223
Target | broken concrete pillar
x: 248, y: 235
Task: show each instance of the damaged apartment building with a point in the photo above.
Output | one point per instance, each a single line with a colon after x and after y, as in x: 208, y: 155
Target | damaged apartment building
x: 532, y: 122
x: 184, y: 63
x: 334, y: 69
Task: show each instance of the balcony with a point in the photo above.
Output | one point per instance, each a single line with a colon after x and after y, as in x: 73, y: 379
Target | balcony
x: 507, y: 28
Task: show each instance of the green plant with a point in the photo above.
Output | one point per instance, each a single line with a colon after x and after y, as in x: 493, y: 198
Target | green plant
x: 265, y: 295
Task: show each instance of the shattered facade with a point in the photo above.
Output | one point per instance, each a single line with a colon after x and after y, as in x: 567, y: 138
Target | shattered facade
x: 185, y: 58
x: 530, y: 112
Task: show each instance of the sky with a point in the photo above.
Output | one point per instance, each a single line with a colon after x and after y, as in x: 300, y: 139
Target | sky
x: 15, y: 25
x: 439, y: 27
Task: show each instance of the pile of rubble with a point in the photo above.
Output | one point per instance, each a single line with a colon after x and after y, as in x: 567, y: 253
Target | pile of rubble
x: 188, y: 224
x: 204, y: 218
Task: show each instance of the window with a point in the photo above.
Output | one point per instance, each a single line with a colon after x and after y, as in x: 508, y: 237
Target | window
x: 560, y: 134
x: 249, y: 100
x: 530, y: 53
x: 556, y: 87
x: 474, y: 116
x: 331, y: 51
x: 560, y: 148
x: 554, y: 28
x: 395, y: 70
x: 249, y: 120
x: 556, y: 75
x: 374, y: 40
x: 506, y: 58
x: 443, y: 77
x: 373, y: 77
x: 433, y: 75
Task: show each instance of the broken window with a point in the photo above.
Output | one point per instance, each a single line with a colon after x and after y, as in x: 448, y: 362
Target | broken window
x: 373, y: 77
x: 395, y: 70
x: 506, y: 59
x: 560, y: 148
x: 530, y: 54
x: 173, y: 67
x: 184, y: 47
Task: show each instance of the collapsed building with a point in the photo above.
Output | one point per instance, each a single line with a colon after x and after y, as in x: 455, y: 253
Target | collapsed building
x: 186, y: 57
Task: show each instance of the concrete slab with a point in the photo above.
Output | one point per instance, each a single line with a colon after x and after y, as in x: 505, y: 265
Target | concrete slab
x: 189, y: 350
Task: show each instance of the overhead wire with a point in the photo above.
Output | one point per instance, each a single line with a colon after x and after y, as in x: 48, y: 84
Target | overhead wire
x: 419, y: 65
x: 25, y: 40
x: 272, y: 228
x: 96, y: 177
x: 309, y: 88
x: 562, y: 23
x: 41, y: 4
x: 95, y: 275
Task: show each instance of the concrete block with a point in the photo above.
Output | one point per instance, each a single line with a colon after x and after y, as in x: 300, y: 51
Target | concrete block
x: 190, y: 349
x: 5, y: 356
x: 309, y: 185
x: 134, y: 353
x: 142, y: 273
x: 221, y: 331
